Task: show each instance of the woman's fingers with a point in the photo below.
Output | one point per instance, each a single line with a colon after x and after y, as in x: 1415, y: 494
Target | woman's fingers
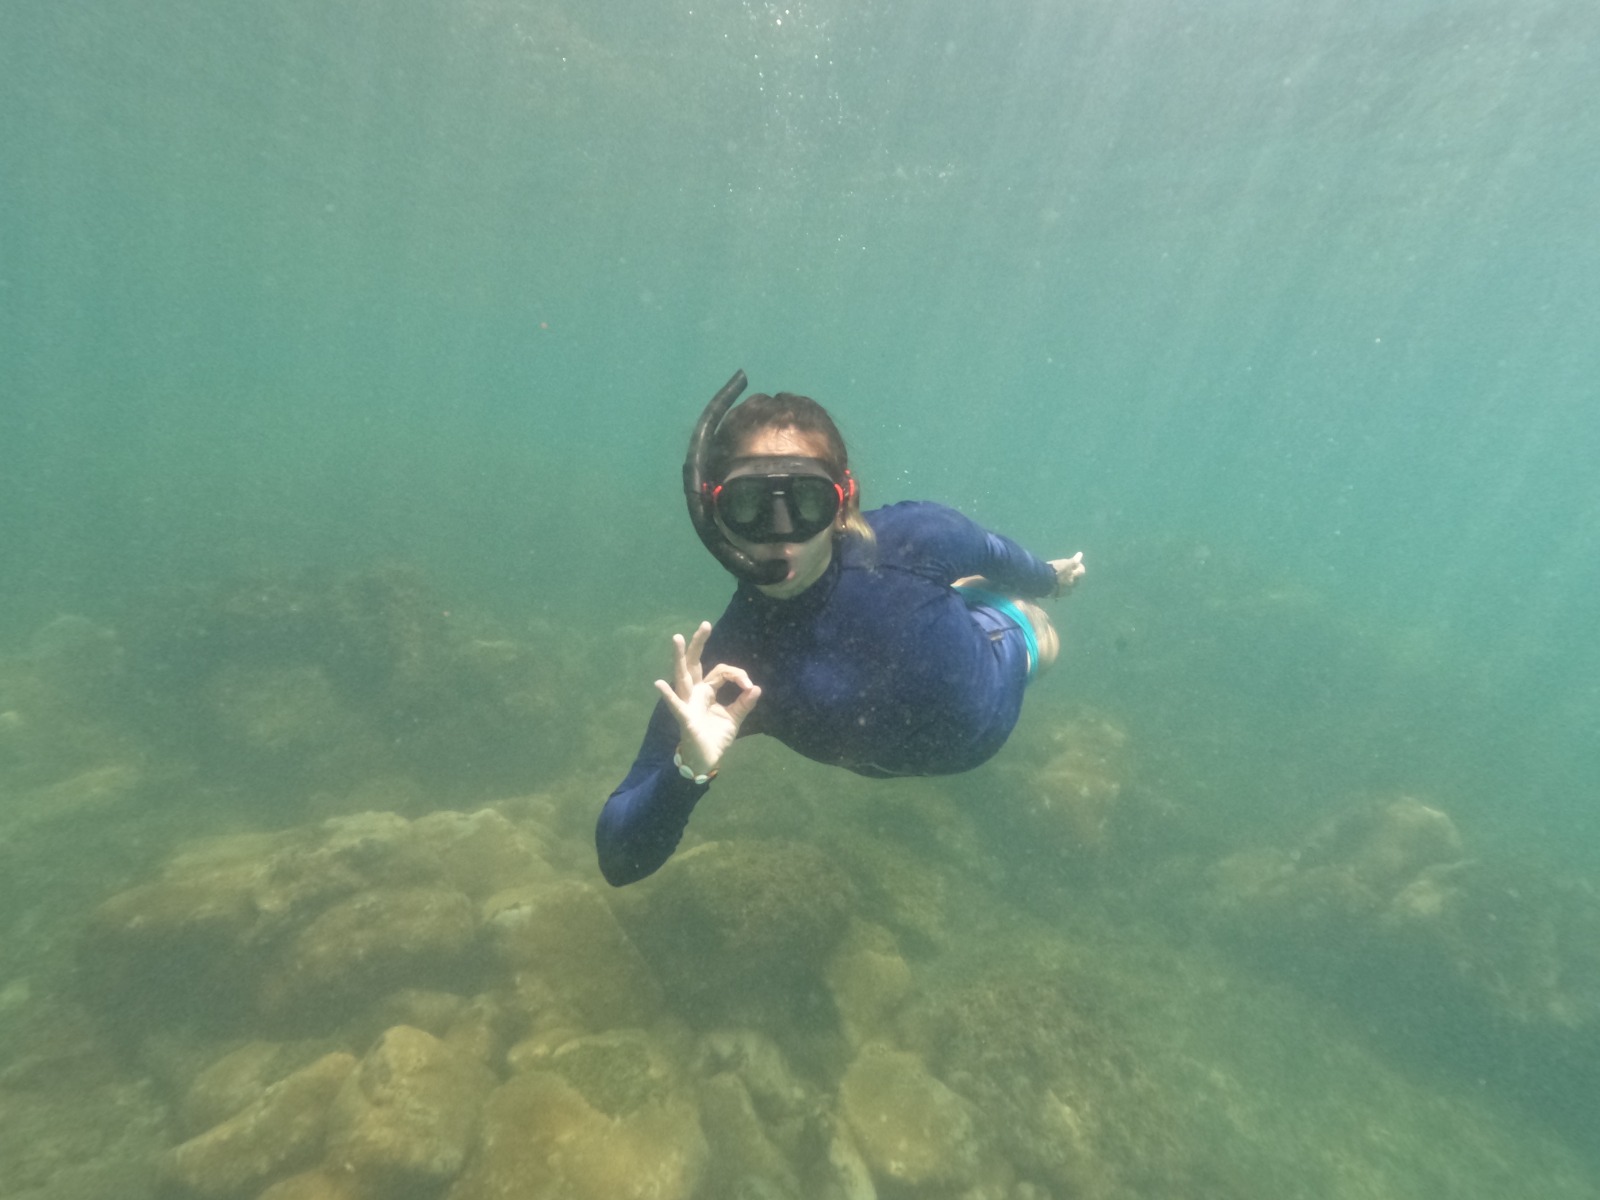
x: 697, y: 645
x: 680, y: 666
x: 678, y: 707
x: 749, y: 693
x: 727, y: 673
x: 743, y: 703
x: 1068, y: 570
x: 686, y: 658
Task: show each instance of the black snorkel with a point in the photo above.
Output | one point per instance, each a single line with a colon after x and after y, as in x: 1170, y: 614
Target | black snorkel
x: 697, y: 490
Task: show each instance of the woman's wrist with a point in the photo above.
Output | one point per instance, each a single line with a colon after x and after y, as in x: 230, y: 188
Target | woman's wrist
x: 692, y: 768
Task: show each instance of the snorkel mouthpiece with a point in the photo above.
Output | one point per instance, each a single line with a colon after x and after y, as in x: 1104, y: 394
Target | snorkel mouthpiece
x: 697, y: 491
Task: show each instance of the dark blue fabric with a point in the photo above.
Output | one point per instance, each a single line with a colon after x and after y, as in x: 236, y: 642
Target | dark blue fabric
x: 878, y: 667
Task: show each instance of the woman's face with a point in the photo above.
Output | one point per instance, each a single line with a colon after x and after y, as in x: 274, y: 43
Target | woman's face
x: 806, y: 560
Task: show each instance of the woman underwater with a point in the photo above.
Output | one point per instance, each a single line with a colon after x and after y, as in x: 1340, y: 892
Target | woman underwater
x: 888, y: 643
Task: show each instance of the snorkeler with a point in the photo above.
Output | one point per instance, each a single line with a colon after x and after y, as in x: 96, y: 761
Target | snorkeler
x: 889, y: 643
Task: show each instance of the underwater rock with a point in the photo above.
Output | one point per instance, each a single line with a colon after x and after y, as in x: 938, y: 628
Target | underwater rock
x: 738, y: 931
x: 617, y: 1072
x: 783, y: 1102
x: 76, y: 1135
x: 294, y: 683
x: 83, y: 796
x: 1383, y: 846
x: 164, y: 951
x: 542, y: 1139
x: 1322, y: 901
x: 1034, y: 1060
x: 843, y: 1173
x: 349, y: 854
x: 406, y: 1117
x: 565, y: 934
x: 422, y: 1008
x: 869, y: 981
x: 1068, y: 802
x: 281, y: 1131
x: 485, y: 1027
x: 903, y: 889
x: 912, y: 1130
x: 311, y: 923
x: 321, y: 1184
x: 534, y: 1052
x: 49, y: 733
x: 237, y: 1079
x: 289, y: 717
x: 482, y: 852
x: 366, y: 945
x: 744, y: 1161
x: 1470, y: 961
x: 1523, y: 951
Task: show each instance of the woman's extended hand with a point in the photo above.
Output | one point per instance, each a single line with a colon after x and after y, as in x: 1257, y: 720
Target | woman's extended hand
x: 707, y: 727
x: 1068, y: 571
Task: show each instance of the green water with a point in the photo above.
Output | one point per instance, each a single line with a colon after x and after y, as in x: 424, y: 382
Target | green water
x: 1283, y: 312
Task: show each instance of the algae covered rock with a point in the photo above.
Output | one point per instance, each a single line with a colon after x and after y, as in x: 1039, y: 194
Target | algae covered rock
x: 1323, y: 901
x: 1051, y: 1080
x: 482, y: 852
x: 543, y: 1140
x: 738, y: 931
x: 281, y: 1131
x: 237, y: 1079
x: 1486, y: 963
x: 304, y: 927
x: 320, y: 1184
x: 289, y: 718
x: 296, y: 683
x: 564, y: 934
x: 406, y: 1117
x: 912, y: 1129
x: 868, y: 980
x: 744, y: 1160
x: 368, y: 944
x: 180, y: 947
x: 1068, y: 803
x: 780, y: 1096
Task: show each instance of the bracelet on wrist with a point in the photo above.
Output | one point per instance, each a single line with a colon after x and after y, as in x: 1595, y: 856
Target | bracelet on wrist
x: 688, y: 772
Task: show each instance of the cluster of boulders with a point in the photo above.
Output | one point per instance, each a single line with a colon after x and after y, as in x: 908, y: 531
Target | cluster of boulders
x: 317, y: 683
x: 1383, y: 907
x: 382, y: 1007
x: 1068, y: 792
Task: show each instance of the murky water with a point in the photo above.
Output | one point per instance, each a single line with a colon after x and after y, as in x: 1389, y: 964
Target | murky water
x: 347, y: 357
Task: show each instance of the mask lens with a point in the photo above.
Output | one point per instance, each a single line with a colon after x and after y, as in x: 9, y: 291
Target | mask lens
x: 815, y: 500
x: 743, y: 501
x: 748, y: 506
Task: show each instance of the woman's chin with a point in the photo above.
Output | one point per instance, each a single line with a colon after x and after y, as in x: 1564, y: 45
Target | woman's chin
x: 786, y: 587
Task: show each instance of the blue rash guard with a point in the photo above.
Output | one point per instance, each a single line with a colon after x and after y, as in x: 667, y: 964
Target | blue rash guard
x: 878, y: 667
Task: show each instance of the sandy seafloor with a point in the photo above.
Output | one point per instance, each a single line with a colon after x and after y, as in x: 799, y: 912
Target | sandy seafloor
x: 299, y: 900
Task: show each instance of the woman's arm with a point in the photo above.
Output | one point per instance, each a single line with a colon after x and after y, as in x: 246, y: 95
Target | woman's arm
x: 644, y: 819
x: 956, y: 547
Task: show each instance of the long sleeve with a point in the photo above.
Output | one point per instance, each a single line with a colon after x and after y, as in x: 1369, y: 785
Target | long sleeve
x: 644, y: 819
x: 952, y: 545
x: 1013, y: 567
